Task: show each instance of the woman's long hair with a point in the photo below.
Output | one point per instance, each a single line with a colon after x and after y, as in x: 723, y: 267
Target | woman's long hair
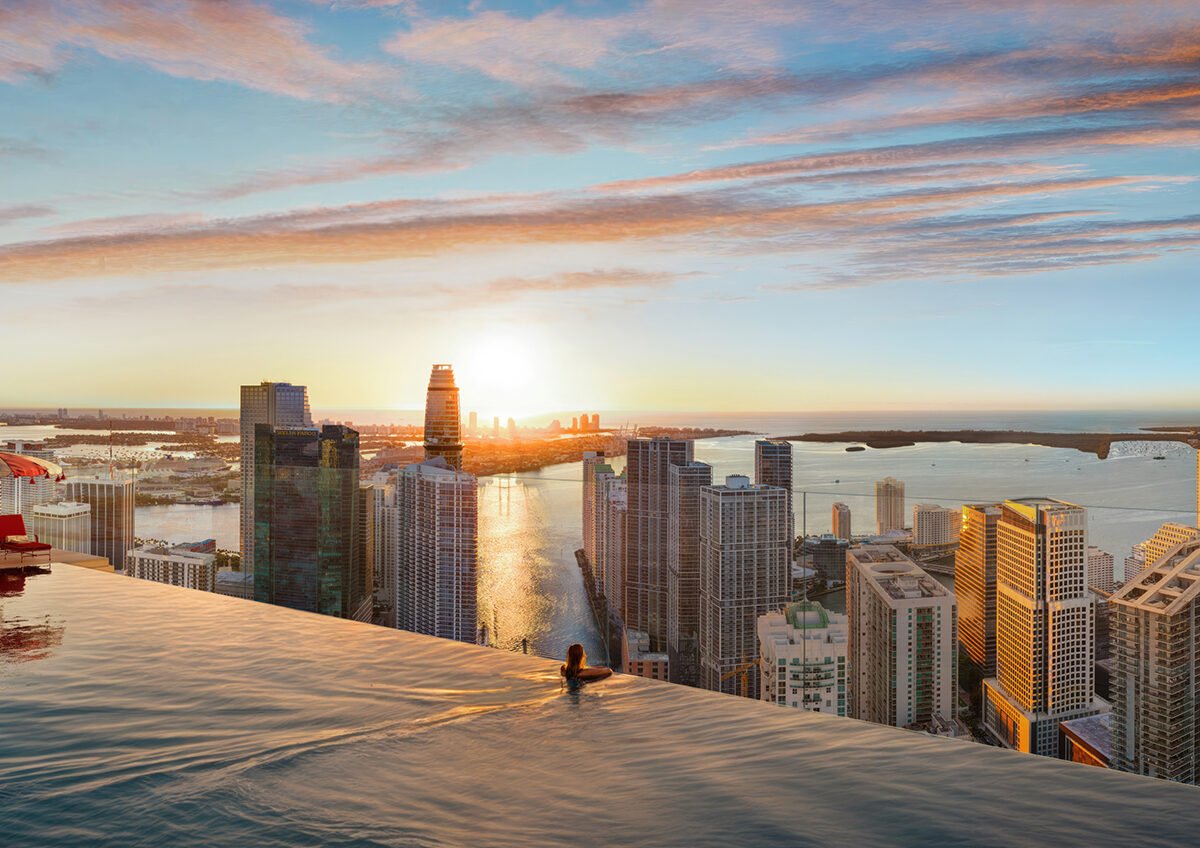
x: 576, y: 660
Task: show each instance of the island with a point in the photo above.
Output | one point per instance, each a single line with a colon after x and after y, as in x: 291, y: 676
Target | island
x: 1097, y: 443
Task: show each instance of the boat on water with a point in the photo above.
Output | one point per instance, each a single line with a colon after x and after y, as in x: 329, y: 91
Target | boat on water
x: 1160, y: 457
x: 855, y: 448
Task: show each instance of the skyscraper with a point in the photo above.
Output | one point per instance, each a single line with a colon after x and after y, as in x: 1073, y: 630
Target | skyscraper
x: 112, y: 503
x: 277, y: 405
x: 591, y: 459
x: 975, y: 585
x: 745, y: 571
x: 1045, y: 625
x: 773, y: 467
x: 602, y: 478
x: 902, y: 640
x: 1155, y: 629
x: 889, y: 505
x: 841, y: 521
x: 306, y: 521
x: 389, y: 555
x: 616, y: 523
x: 473, y: 423
x: 610, y: 558
x: 647, y: 468
x: 443, y: 420
x: 683, y: 569
x: 437, y: 548
x: 374, y: 519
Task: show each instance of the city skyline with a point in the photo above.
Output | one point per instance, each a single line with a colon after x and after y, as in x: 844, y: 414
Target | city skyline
x: 491, y: 178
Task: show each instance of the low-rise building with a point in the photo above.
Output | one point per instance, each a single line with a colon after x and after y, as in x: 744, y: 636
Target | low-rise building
x: 1086, y: 740
x: 638, y: 659
x: 235, y: 584
x: 177, y: 566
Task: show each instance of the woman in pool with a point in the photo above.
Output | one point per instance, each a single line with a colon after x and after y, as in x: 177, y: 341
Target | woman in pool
x: 575, y: 669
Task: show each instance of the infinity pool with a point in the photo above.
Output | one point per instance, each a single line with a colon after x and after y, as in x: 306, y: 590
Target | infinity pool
x: 133, y: 713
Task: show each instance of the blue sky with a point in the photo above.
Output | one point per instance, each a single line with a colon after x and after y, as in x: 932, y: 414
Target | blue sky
x: 661, y: 204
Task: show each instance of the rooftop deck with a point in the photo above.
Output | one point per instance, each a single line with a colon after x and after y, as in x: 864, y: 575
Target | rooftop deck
x: 133, y: 713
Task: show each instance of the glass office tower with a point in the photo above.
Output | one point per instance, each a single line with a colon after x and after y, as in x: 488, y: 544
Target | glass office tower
x: 306, y: 521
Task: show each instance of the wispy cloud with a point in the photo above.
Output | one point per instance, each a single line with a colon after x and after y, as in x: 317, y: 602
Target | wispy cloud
x: 553, y: 46
x: 1042, y: 142
x: 23, y: 211
x: 236, y: 41
x: 581, y: 281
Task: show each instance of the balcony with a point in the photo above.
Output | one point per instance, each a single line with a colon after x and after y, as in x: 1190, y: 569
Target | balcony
x: 135, y: 713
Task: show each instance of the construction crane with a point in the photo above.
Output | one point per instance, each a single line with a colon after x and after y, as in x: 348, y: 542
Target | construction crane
x: 742, y: 672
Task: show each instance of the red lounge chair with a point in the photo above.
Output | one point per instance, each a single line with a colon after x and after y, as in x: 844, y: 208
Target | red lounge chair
x: 14, y: 525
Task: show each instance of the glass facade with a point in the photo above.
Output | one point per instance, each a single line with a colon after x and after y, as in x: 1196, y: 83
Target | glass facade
x: 306, y: 521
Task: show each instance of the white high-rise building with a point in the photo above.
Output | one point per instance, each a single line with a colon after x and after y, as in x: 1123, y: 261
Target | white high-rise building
x: 612, y: 534
x: 437, y: 537
x: 804, y: 650
x: 1134, y: 563
x: 935, y: 525
x: 112, y: 503
x: 176, y: 566
x: 745, y: 571
x: 591, y: 459
x: 67, y: 526
x: 23, y: 494
x: 889, y: 505
x: 1045, y: 625
x: 602, y: 477
x: 605, y: 485
x: 443, y: 420
x: 1154, y: 623
x: 902, y: 640
x: 281, y: 405
x: 841, y: 521
x: 1100, y: 569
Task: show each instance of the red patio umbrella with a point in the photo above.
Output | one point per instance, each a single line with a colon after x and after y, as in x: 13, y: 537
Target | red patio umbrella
x: 19, y: 465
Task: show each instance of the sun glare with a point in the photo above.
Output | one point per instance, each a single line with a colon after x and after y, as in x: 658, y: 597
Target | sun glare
x: 503, y: 375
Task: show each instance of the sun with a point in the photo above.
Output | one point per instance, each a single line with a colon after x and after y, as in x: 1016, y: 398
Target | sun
x: 500, y: 374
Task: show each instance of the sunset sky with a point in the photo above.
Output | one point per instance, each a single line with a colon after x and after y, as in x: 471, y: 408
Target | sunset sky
x: 670, y: 204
